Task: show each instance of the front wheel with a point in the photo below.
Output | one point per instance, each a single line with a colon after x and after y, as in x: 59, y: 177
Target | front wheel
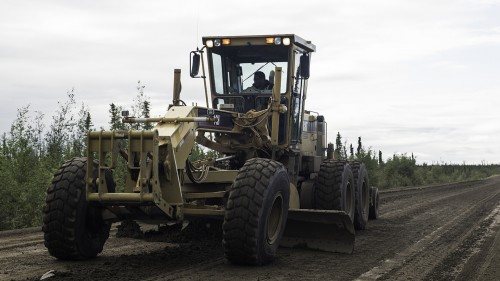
x: 73, y: 230
x: 256, y: 212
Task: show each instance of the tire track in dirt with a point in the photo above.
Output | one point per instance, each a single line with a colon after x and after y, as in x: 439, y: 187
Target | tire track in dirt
x: 16, y: 242
x: 488, y: 258
x: 453, y: 268
x: 420, y: 230
x: 395, y: 200
x: 188, y: 271
x: 418, y: 216
x: 451, y: 225
x: 31, y: 259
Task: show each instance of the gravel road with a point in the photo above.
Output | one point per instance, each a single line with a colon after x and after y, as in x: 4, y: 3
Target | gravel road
x: 444, y: 232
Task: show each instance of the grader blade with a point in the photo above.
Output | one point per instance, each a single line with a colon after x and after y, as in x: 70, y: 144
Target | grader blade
x: 324, y: 230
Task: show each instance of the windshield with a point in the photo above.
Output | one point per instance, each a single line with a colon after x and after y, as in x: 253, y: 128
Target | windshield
x: 268, y: 68
x: 234, y: 68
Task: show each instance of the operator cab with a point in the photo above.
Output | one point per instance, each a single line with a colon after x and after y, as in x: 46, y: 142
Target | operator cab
x: 233, y: 68
x: 233, y: 62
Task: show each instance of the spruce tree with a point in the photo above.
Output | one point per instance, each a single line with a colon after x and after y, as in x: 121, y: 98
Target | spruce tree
x: 146, y: 105
x: 115, y: 122
x: 338, y: 146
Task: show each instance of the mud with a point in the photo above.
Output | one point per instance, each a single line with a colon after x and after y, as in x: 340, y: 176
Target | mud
x: 447, y: 232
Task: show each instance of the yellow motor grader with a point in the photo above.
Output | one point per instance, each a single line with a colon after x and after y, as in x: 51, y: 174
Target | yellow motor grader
x: 274, y: 180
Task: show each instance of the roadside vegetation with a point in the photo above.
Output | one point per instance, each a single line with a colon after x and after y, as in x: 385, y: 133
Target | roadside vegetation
x: 32, y: 151
x: 402, y: 170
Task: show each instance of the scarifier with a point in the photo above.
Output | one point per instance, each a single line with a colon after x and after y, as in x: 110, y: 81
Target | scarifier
x: 274, y: 182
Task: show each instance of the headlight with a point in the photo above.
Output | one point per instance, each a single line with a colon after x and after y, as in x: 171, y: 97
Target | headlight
x: 209, y: 43
x: 286, y: 41
x: 217, y: 42
x: 273, y: 40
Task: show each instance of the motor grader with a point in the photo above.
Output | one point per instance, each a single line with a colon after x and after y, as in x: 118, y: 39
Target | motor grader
x: 273, y: 182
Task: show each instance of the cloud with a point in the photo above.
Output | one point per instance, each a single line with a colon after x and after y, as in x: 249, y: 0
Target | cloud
x: 412, y: 76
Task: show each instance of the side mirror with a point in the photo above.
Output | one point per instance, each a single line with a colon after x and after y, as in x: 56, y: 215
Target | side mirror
x: 194, y: 61
x: 304, y: 66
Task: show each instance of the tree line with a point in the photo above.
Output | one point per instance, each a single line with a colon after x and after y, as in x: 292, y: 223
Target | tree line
x: 31, y: 152
x: 401, y: 170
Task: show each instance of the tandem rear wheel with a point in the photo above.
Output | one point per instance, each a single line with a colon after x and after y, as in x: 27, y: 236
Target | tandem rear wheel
x: 334, y: 187
x: 374, y: 202
x: 362, y: 195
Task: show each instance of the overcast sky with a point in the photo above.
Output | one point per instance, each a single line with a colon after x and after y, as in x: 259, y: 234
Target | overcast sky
x: 419, y: 77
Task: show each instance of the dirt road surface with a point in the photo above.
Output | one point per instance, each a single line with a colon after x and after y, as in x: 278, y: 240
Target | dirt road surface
x: 447, y: 232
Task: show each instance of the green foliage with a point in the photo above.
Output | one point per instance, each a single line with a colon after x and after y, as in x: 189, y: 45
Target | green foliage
x: 199, y: 153
x: 115, y: 122
x: 400, y: 170
x: 146, y: 105
x: 31, y: 153
x: 24, y: 173
x: 141, y: 107
x: 67, y: 132
x: 340, y: 149
x: 57, y: 138
x: 403, y: 170
x: 79, y: 134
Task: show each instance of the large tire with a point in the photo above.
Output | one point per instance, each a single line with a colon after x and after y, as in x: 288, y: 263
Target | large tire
x: 74, y: 230
x: 334, y: 188
x: 374, y: 212
x: 362, y: 195
x: 256, y: 212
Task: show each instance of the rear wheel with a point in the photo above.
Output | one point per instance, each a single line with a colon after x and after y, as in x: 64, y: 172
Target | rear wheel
x: 362, y: 195
x: 334, y: 188
x: 374, y: 212
x: 256, y: 212
x: 73, y: 230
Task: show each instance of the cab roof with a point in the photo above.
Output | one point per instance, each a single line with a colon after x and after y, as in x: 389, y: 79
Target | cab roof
x: 260, y: 40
